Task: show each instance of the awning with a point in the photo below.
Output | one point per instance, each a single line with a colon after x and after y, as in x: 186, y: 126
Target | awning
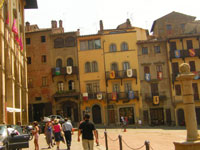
x: 10, y: 109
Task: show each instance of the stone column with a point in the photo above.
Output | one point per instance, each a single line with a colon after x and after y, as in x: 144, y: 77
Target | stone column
x: 186, y: 77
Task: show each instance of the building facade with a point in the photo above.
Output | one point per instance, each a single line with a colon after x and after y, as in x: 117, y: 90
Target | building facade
x: 13, y: 72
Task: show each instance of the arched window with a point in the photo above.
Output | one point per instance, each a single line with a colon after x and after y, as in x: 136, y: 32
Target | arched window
x: 124, y: 46
x: 70, y: 42
x: 114, y: 67
x: 126, y: 65
x: 71, y: 85
x: 94, y: 66
x: 87, y: 67
x: 113, y: 48
x: 59, y: 63
x: 59, y: 43
x: 70, y: 62
x: 60, y: 86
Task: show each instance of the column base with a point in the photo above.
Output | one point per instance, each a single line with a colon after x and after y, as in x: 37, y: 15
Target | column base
x: 187, y: 145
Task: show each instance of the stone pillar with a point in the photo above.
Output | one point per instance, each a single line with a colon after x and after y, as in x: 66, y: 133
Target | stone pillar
x: 192, y: 143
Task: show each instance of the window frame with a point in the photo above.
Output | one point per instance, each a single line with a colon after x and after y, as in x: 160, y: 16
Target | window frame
x: 145, y: 51
x: 113, y: 47
x: 43, y: 39
x: 124, y: 46
x: 88, y: 67
x: 44, y: 59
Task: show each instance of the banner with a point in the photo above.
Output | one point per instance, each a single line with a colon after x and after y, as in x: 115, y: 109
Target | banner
x: 69, y: 69
x: 57, y: 70
x: 112, y: 74
x: 160, y: 75
x: 85, y: 96
x: 114, y: 96
x: 147, y: 76
x: 99, y: 96
x: 177, y: 53
x: 14, y: 27
x: 129, y: 72
x: 155, y: 100
x: 192, y: 52
x: 131, y: 94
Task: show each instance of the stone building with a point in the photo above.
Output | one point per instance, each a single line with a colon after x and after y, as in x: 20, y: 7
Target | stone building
x: 52, y: 72
x: 13, y: 62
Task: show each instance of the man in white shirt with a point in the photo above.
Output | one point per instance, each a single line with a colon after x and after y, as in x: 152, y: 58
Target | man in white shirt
x: 67, y: 129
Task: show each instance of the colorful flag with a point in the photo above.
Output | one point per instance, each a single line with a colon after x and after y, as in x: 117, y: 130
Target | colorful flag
x: 156, y: 100
x: 129, y: 73
x: 17, y: 38
x: 160, y: 75
x: 192, y: 52
x: 14, y: 27
x: 69, y: 69
x: 147, y: 76
x: 131, y: 94
x: 57, y: 70
x: 99, y: 96
x: 21, y: 44
x: 112, y: 74
x: 85, y: 96
x: 177, y: 53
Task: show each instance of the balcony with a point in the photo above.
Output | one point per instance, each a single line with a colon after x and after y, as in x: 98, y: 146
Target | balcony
x: 65, y: 94
x: 121, y: 74
x: 184, y: 54
x: 93, y: 95
x: 148, y: 97
x: 122, y: 96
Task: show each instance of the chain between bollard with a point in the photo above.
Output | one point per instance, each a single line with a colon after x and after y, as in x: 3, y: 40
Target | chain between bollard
x: 112, y: 139
x: 131, y: 147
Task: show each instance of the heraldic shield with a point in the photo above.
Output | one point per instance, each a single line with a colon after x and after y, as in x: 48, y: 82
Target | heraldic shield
x: 129, y: 73
x: 69, y: 69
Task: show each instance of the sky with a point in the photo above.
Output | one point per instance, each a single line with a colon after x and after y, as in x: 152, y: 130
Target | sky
x: 86, y: 14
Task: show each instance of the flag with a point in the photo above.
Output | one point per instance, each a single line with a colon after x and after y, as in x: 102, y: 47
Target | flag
x: 7, y: 19
x: 57, y: 70
x: 192, y: 52
x: 159, y: 75
x: 147, y: 76
x: 17, y: 38
x: 14, y: 27
x: 114, y: 96
x: 131, y: 94
x: 85, y: 96
x: 99, y: 96
x: 155, y: 100
x: 112, y: 74
x: 129, y: 73
x: 21, y: 44
x: 69, y: 69
x: 177, y: 53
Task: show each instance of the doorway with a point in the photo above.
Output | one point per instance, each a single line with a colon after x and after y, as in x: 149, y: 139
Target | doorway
x: 96, y: 113
x: 157, y: 116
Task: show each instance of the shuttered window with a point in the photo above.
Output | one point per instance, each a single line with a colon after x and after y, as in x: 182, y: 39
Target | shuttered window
x: 178, y: 89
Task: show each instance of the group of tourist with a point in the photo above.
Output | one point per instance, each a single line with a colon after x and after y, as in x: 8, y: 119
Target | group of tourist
x: 55, y: 133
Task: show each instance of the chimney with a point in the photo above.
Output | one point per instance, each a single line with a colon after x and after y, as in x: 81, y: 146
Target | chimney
x: 27, y: 26
x: 53, y: 24
x: 128, y: 23
x: 60, y: 24
x: 101, y: 25
x: 78, y: 32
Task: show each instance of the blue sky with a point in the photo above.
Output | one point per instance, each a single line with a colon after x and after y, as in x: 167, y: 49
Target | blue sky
x: 85, y: 14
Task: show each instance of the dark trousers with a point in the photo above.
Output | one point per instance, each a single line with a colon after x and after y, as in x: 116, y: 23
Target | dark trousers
x: 68, y: 138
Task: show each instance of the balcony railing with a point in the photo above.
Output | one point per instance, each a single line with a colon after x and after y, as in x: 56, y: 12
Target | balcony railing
x: 94, y: 95
x: 63, y: 71
x: 148, y: 97
x: 122, y: 96
x: 121, y: 74
x: 71, y: 93
x: 184, y: 54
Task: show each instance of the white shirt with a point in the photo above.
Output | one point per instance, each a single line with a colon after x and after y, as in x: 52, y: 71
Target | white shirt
x: 67, y: 126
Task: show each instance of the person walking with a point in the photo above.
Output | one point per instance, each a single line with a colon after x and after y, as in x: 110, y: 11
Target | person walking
x: 88, y: 131
x: 48, y: 131
x: 67, y: 129
x: 57, y: 129
x: 35, y: 133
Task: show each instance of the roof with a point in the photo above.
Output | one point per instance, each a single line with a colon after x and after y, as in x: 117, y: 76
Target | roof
x: 173, y: 12
x: 31, y: 4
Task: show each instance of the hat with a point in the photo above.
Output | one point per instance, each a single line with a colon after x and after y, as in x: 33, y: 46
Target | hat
x: 56, y: 121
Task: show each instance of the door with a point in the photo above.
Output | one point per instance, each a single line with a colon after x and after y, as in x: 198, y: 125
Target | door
x: 96, y: 113
x: 157, y: 116
x: 181, y: 117
x: 146, y: 117
x: 168, y: 116
x: 111, y: 116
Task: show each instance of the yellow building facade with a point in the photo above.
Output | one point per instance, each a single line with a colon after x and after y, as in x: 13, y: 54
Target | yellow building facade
x: 13, y: 72
x: 184, y: 49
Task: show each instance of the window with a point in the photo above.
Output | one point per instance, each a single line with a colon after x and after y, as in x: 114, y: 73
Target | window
x: 154, y: 89
x: 90, y: 44
x: 70, y: 42
x: 144, y: 50
x: 175, y: 68
x: 124, y: 46
x: 59, y: 63
x: 126, y: 65
x: 189, y: 44
x: 169, y: 27
x: 114, y: 67
x: 127, y: 87
x: 192, y: 66
x: 69, y: 62
x: 116, y: 87
x: 87, y: 67
x: 44, y: 81
x: 92, y: 87
x: 38, y: 98
x: 157, y: 49
x: 159, y: 68
x: 94, y: 66
x: 113, y: 48
x: 172, y: 46
x: 28, y: 41
x: 182, y: 26
x: 60, y: 86
x: 28, y: 60
x: 43, y: 39
x: 59, y: 43
x: 44, y: 59
x: 178, y: 89
x: 146, y: 69
x: 71, y: 85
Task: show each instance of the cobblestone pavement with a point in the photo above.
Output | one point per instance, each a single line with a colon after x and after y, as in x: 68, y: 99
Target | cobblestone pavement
x: 160, y: 139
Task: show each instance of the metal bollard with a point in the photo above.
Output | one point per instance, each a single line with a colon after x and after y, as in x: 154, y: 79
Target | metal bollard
x: 120, y: 142
x: 97, y: 138
x: 106, y: 140
x: 147, y: 144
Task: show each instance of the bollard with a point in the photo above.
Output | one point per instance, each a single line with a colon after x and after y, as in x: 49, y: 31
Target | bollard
x: 97, y: 138
x: 120, y: 142
x: 106, y: 140
x: 147, y: 144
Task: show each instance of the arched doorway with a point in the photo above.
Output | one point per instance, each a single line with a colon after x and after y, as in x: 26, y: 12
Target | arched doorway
x: 96, y: 113
x: 70, y: 110
x: 181, y: 117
